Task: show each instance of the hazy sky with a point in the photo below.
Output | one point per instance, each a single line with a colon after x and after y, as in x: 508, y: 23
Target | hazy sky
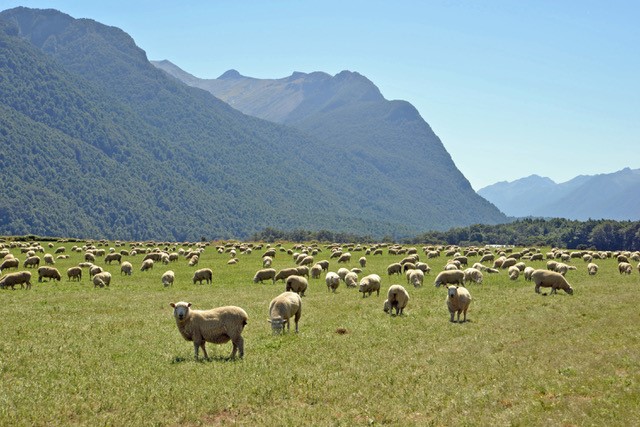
x: 512, y: 88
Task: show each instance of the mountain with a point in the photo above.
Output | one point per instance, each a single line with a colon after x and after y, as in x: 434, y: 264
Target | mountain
x: 97, y: 142
x: 386, y: 150
x: 606, y: 196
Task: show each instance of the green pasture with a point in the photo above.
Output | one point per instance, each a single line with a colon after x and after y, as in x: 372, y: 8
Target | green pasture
x: 71, y: 354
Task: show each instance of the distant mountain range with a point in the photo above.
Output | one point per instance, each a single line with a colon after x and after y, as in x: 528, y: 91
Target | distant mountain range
x: 97, y: 142
x: 606, y: 196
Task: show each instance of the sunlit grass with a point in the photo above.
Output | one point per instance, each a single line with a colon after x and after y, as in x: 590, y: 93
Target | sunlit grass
x: 74, y: 355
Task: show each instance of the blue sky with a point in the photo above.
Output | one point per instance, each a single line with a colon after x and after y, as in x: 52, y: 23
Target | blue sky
x: 512, y: 88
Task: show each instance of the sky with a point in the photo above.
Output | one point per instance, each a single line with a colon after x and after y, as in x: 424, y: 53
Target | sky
x: 512, y: 88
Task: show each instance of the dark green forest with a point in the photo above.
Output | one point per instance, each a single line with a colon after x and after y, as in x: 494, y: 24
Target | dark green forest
x: 555, y: 232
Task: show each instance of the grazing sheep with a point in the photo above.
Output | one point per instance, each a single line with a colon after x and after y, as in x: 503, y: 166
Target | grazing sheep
x: 527, y: 273
x: 492, y: 271
x: 48, y: 272
x: 551, y: 265
x: 126, y: 268
x: 513, y: 272
x: 363, y: 262
x: 303, y: 270
x: 625, y: 268
x: 9, y: 263
x: 449, y: 277
x: 22, y: 278
x: 233, y: 261
x: 332, y: 280
x: 284, y: 273
x: 458, y: 300
x: 487, y: 257
x: 282, y: 308
x: 102, y: 279
x: 48, y: 259
x: 217, y: 326
x: 60, y: 250
x: 74, y: 273
x: 550, y: 279
x: 592, y: 269
x: 316, y: 271
x: 344, y: 258
x: 297, y: 284
x: 93, y: 270
x: 307, y: 260
x: 370, y: 283
x: 265, y: 274
x: 398, y: 298
x: 147, y: 264
x: 351, y: 279
x: 193, y: 261
x: 562, y: 268
x: 267, y: 261
x: 113, y: 257
x: 424, y: 267
x: 473, y: 275
x: 509, y: 262
x: 89, y: 257
x: 415, y: 277
x: 395, y: 268
x: 168, y: 278
x: 342, y: 272
x: 324, y: 264
x: 205, y: 274
x: 32, y: 262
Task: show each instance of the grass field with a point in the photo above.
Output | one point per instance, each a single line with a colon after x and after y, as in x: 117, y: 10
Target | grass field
x: 74, y: 355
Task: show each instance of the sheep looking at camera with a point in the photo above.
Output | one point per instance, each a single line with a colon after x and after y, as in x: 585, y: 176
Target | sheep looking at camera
x: 458, y: 301
x: 217, y: 326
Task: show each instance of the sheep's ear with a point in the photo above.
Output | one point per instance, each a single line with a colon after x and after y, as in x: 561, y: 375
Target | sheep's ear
x: 188, y: 304
x: 269, y: 320
x: 172, y: 305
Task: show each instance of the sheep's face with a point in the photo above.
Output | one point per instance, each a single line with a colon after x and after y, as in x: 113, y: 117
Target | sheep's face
x: 277, y: 325
x: 453, y: 291
x: 180, y: 310
x: 569, y: 290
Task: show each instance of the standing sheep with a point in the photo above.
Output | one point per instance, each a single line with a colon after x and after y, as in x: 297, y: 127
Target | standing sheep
x: 9, y: 263
x: 168, y: 278
x: 370, y: 283
x: 351, y: 280
x: 32, y: 261
x: 458, y: 300
x: 126, y: 268
x: 395, y: 268
x: 363, y: 262
x: 113, y: 257
x: 74, y: 273
x: 297, y: 284
x: 48, y: 259
x: 217, y: 326
x: 102, y: 279
x: 332, y: 280
x: 415, y: 277
x: 284, y: 273
x: 592, y: 269
x: 449, y: 277
x: 514, y: 272
x: 265, y: 274
x: 527, y: 273
x: 625, y: 268
x: 22, y: 278
x: 550, y: 279
x: 398, y: 298
x: 147, y: 264
x: 472, y: 274
x: 48, y: 272
x: 282, y: 308
x: 316, y: 271
x: 205, y: 274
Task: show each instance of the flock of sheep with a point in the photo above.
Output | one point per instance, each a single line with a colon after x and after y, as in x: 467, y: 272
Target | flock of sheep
x: 223, y: 324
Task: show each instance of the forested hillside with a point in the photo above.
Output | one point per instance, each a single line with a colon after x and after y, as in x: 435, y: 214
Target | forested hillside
x: 99, y: 143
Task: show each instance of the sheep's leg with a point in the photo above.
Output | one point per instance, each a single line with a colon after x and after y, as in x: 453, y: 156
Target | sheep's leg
x: 238, y: 345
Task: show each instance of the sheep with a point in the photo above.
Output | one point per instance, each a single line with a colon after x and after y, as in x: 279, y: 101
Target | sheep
x: 332, y: 280
x: 168, y: 278
x: 60, y: 250
x: 527, y: 273
x: 147, y: 264
x: 193, y: 261
x: 297, y: 284
x: 284, y: 273
x: 93, y: 270
x: 233, y: 261
x: 48, y: 259
x: 89, y: 257
x: 625, y: 268
x: 513, y: 272
x: 487, y: 257
x: 458, y: 300
x: 74, y: 273
x: 267, y: 261
x: 398, y: 298
x: 205, y: 274
x: 472, y: 274
x: 363, y: 262
x: 32, y: 261
x: 282, y: 308
x: 113, y: 257
x: 307, y: 260
x: 509, y: 262
x: 217, y: 326
x: 424, y: 267
x: 345, y: 257
x: 48, y: 272
x: 324, y: 264
x: 303, y: 270
x: 102, y: 279
x: 415, y: 277
x: 126, y: 268
x: 342, y: 272
x: 395, y: 268
x: 449, y: 277
x: 351, y: 279
x: 9, y: 263
x: 550, y: 279
x: 22, y: 278
x: 265, y: 274
x: 316, y: 271
x: 368, y: 284
x: 562, y: 268
x: 592, y: 269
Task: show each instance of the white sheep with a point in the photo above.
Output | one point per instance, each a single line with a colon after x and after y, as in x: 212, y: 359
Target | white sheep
x: 415, y: 277
x: 625, y: 268
x: 282, y: 308
x: 48, y: 259
x: 449, y: 277
x: 351, y: 279
x: 126, y: 268
x: 316, y: 271
x: 147, y: 264
x: 342, y: 272
x: 363, y: 262
x: 472, y: 274
x: 395, y: 268
x: 22, y: 278
x: 458, y: 300
x: 562, y: 268
x: 102, y: 279
x: 205, y: 274
x: 527, y: 273
x: 370, y: 283
x: 217, y: 326
x: 74, y: 273
x: 514, y: 272
x: 297, y: 284
x: 264, y: 274
x: 284, y: 273
x: 550, y: 279
x: 48, y: 272
x: 398, y: 298
x: 332, y: 280
x: 168, y: 278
